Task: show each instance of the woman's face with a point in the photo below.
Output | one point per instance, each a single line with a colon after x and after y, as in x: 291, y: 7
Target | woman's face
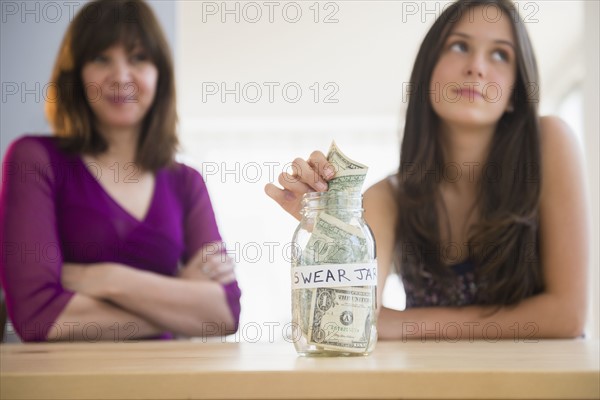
x: 472, y: 83
x: 120, y: 86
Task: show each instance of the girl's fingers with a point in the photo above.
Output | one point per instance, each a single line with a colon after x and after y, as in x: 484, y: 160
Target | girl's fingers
x: 294, y: 184
x: 303, y: 172
x: 289, y: 201
x: 318, y: 162
x: 306, y: 176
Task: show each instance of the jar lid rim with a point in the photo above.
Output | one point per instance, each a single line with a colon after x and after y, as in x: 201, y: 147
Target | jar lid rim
x: 318, y: 195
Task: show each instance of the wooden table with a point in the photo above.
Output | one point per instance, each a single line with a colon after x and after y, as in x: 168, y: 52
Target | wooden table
x: 553, y: 369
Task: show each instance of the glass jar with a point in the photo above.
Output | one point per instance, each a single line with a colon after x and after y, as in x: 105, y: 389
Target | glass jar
x: 334, y: 277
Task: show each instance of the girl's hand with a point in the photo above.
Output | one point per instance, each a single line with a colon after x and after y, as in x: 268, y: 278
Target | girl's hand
x: 307, y: 176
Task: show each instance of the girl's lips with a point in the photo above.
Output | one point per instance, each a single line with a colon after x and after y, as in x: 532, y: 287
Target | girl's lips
x: 468, y: 93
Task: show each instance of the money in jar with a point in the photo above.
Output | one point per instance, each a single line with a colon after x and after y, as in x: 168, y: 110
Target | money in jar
x: 334, y: 270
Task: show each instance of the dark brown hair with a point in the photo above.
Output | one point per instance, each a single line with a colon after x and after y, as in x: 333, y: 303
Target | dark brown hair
x: 99, y: 25
x: 504, y: 242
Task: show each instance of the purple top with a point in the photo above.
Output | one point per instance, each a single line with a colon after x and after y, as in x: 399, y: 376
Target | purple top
x: 53, y: 210
x: 428, y: 291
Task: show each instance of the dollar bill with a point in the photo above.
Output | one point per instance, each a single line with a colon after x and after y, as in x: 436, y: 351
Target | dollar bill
x: 348, y: 182
x: 341, y: 162
x: 349, y: 174
x: 341, y: 318
x: 334, y: 242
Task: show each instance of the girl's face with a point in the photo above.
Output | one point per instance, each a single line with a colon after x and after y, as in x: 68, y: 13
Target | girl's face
x: 120, y: 86
x: 472, y: 82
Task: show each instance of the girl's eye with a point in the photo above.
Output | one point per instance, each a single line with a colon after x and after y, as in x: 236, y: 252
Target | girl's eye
x: 460, y: 47
x: 100, y: 58
x: 500, y: 55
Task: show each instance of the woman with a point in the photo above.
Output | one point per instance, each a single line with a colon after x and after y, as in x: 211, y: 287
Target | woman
x: 486, y: 219
x: 106, y: 237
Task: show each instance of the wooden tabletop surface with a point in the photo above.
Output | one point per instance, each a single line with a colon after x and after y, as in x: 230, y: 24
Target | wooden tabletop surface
x: 197, y: 369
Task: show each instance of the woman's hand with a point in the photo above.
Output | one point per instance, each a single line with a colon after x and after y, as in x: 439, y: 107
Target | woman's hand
x: 307, y: 176
x: 210, y: 263
x: 89, y: 279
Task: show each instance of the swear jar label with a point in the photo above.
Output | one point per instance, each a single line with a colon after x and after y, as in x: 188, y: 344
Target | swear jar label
x: 334, y: 275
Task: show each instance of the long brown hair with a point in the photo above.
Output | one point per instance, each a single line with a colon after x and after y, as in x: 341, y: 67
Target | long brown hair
x: 503, y: 245
x: 99, y: 25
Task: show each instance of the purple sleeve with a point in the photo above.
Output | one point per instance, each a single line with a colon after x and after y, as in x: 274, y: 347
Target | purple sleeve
x: 200, y: 228
x: 30, y: 266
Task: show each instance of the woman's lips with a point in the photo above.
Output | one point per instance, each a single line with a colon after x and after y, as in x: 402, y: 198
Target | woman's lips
x: 120, y: 99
